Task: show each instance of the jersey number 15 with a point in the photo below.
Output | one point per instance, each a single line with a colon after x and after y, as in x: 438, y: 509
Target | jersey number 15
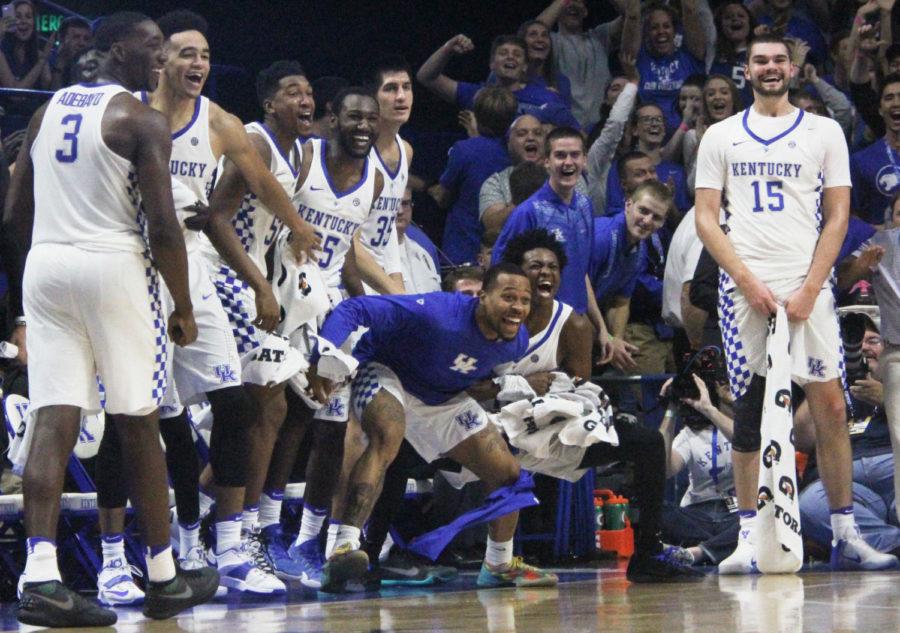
x: 774, y: 199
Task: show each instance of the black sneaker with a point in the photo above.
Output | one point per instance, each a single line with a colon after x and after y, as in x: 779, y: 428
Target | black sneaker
x: 187, y: 589
x: 661, y: 568
x: 51, y: 604
x: 403, y: 569
x: 346, y: 565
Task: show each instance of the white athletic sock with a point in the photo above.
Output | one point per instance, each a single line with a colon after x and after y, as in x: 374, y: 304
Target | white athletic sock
x: 843, y: 524
x: 188, y: 538
x: 748, y: 525
x: 311, y: 523
x: 347, y: 534
x: 270, y: 508
x: 41, y: 566
x: 498, y: 553
x: 113, y: 546
x: 206, y: 503
x: 160, y: 564
x: 250, y: 518
x: 228, y: 534
x: 333, y: 527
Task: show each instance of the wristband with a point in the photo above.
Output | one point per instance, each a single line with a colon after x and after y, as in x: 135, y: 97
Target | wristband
x: 859, y: 20
x: 683, y: 127
x: 19, y: 320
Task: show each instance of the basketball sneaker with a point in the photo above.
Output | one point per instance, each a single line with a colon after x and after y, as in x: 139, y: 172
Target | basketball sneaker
x: 51, y: 604
x: 240, y: 569
x: 195, y: 559
x: 667, y: 566
x: 742, y: 559
x: 345, y: 565
x: 115, y: 584
x: 403, y: 569
x: 284, y: 566
x: 856, y: 555
x: 309, y: 560
x: 517, y: 574
x: 187, y: 589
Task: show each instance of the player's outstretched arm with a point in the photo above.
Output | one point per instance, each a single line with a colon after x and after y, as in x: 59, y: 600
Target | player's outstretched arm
x: 239, y: 150
x: 18, y: 216
x: 151, y: 152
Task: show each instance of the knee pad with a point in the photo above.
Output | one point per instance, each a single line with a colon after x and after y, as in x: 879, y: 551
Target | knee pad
x: 231, y: 408
x: 748, y: 416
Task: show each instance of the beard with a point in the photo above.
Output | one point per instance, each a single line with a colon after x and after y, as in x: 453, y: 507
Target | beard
x: 760, y: 88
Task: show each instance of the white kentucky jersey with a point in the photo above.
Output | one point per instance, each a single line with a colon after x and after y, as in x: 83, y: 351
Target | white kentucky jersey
x: 772, y: 172
x: 377, y: 233
x: 255, y: 225
x: 336, y: 215
x: 85, y: 194
x: 542, y: 347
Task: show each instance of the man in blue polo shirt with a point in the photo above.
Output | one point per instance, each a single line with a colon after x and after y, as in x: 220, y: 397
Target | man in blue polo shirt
x: 508, y: 69
x: 875, y: 171
x: 563, y: 211
x: 618, y: 256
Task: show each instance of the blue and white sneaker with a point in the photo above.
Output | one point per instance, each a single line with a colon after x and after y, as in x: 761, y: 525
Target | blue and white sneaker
x: 309, y: 559
x: 284, y: 566
x: 115, y: 584
x: 238, y: 570
x: 856, y: 555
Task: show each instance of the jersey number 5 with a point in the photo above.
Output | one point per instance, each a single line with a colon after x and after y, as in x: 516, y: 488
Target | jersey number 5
x: 774, y: 197
x: 71, y: 124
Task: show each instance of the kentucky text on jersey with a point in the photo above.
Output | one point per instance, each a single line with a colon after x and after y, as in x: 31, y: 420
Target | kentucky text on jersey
x: 327, y: 221
x: 384, y: 203
x: 79, y: 99
x: 190, y: 169
x: 762, y: 168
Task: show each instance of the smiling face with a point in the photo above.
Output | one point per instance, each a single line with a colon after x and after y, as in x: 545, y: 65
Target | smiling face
x: 644, y: 216
x: 143, y: 56
x: 636, y: 171
x: 506, y: 306
x: 889, y: 107
x: 24, y: 25
x: 526, y: 138
x: 651, y: 125
x: 537, y: 37
x: 187, y: 63
x: 356, y: 125
x: 573, y: 14
x: 565, y: 163
x: 542, y: 268
x: 659, y: 34
x: 719, y: 99
x: 508, y: 63
x: 769, y: 69
x: 395, y: 97
x: 292, y: 104
x: 734, y: 23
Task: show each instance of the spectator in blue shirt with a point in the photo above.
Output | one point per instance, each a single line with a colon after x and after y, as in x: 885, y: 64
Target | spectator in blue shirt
x: 563, y: 211
x: 875, y: 171
x: 470, y: 163
x: 734, y: 27
x: 617, y: 258
x: 663, y: 67
x: 508, y: 68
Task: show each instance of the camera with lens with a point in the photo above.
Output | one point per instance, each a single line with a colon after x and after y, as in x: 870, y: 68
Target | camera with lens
x: 853, y: 330
x: 708, y: 366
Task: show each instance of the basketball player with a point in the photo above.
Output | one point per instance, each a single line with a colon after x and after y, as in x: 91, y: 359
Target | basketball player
x: 783, y: 178
x: 202, y: 134
x: 93, y: 177
x: 400, y: 391
x: 337, y: 190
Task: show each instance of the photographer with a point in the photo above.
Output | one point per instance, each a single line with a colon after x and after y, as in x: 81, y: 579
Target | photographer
x: 873, y: 461
x: 704, y: 527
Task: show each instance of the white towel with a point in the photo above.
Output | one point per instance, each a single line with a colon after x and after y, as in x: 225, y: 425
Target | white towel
x: 273, y: 362
x: 299, y: 288
x: 513, y: 387
x: 779, y: 545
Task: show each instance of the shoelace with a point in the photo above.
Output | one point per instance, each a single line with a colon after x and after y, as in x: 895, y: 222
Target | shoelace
x: 253, y: 546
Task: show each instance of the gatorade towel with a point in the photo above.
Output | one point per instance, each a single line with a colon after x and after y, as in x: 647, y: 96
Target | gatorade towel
x: 779, y: 546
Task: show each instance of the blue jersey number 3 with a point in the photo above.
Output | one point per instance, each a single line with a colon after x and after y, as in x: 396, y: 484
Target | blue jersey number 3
x: 774, y: 197
x: 72, y: 124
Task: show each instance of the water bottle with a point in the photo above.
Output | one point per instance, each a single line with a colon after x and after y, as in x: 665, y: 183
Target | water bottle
x: 598, y: 521
x: 614, y: 511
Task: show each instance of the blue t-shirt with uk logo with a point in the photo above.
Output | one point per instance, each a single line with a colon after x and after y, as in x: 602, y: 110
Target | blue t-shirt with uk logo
x: 431, y: 341
x: 875, y: 172
x: 662, y: 78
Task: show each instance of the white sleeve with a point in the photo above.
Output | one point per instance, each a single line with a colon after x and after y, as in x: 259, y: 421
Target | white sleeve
x: 681, y: 445
x: 691, y: 258
x: 391, y: 255
x: 711, y: 160
x: 836, y: 165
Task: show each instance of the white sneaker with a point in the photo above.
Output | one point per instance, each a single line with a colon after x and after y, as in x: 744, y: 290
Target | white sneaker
x: 195, y: 559
x: 238, y: 570
x: 855, y: 555
x: 741, y: 561
x: 115, y: 584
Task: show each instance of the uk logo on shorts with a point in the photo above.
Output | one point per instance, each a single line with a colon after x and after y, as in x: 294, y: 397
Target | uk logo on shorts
x: 225, y: 374
x: 468, y: 420
x: 334, y: 408
x: 816, y: 367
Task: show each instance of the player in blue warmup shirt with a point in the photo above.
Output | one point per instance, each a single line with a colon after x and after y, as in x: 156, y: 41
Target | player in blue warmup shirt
x: 420, y: 354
